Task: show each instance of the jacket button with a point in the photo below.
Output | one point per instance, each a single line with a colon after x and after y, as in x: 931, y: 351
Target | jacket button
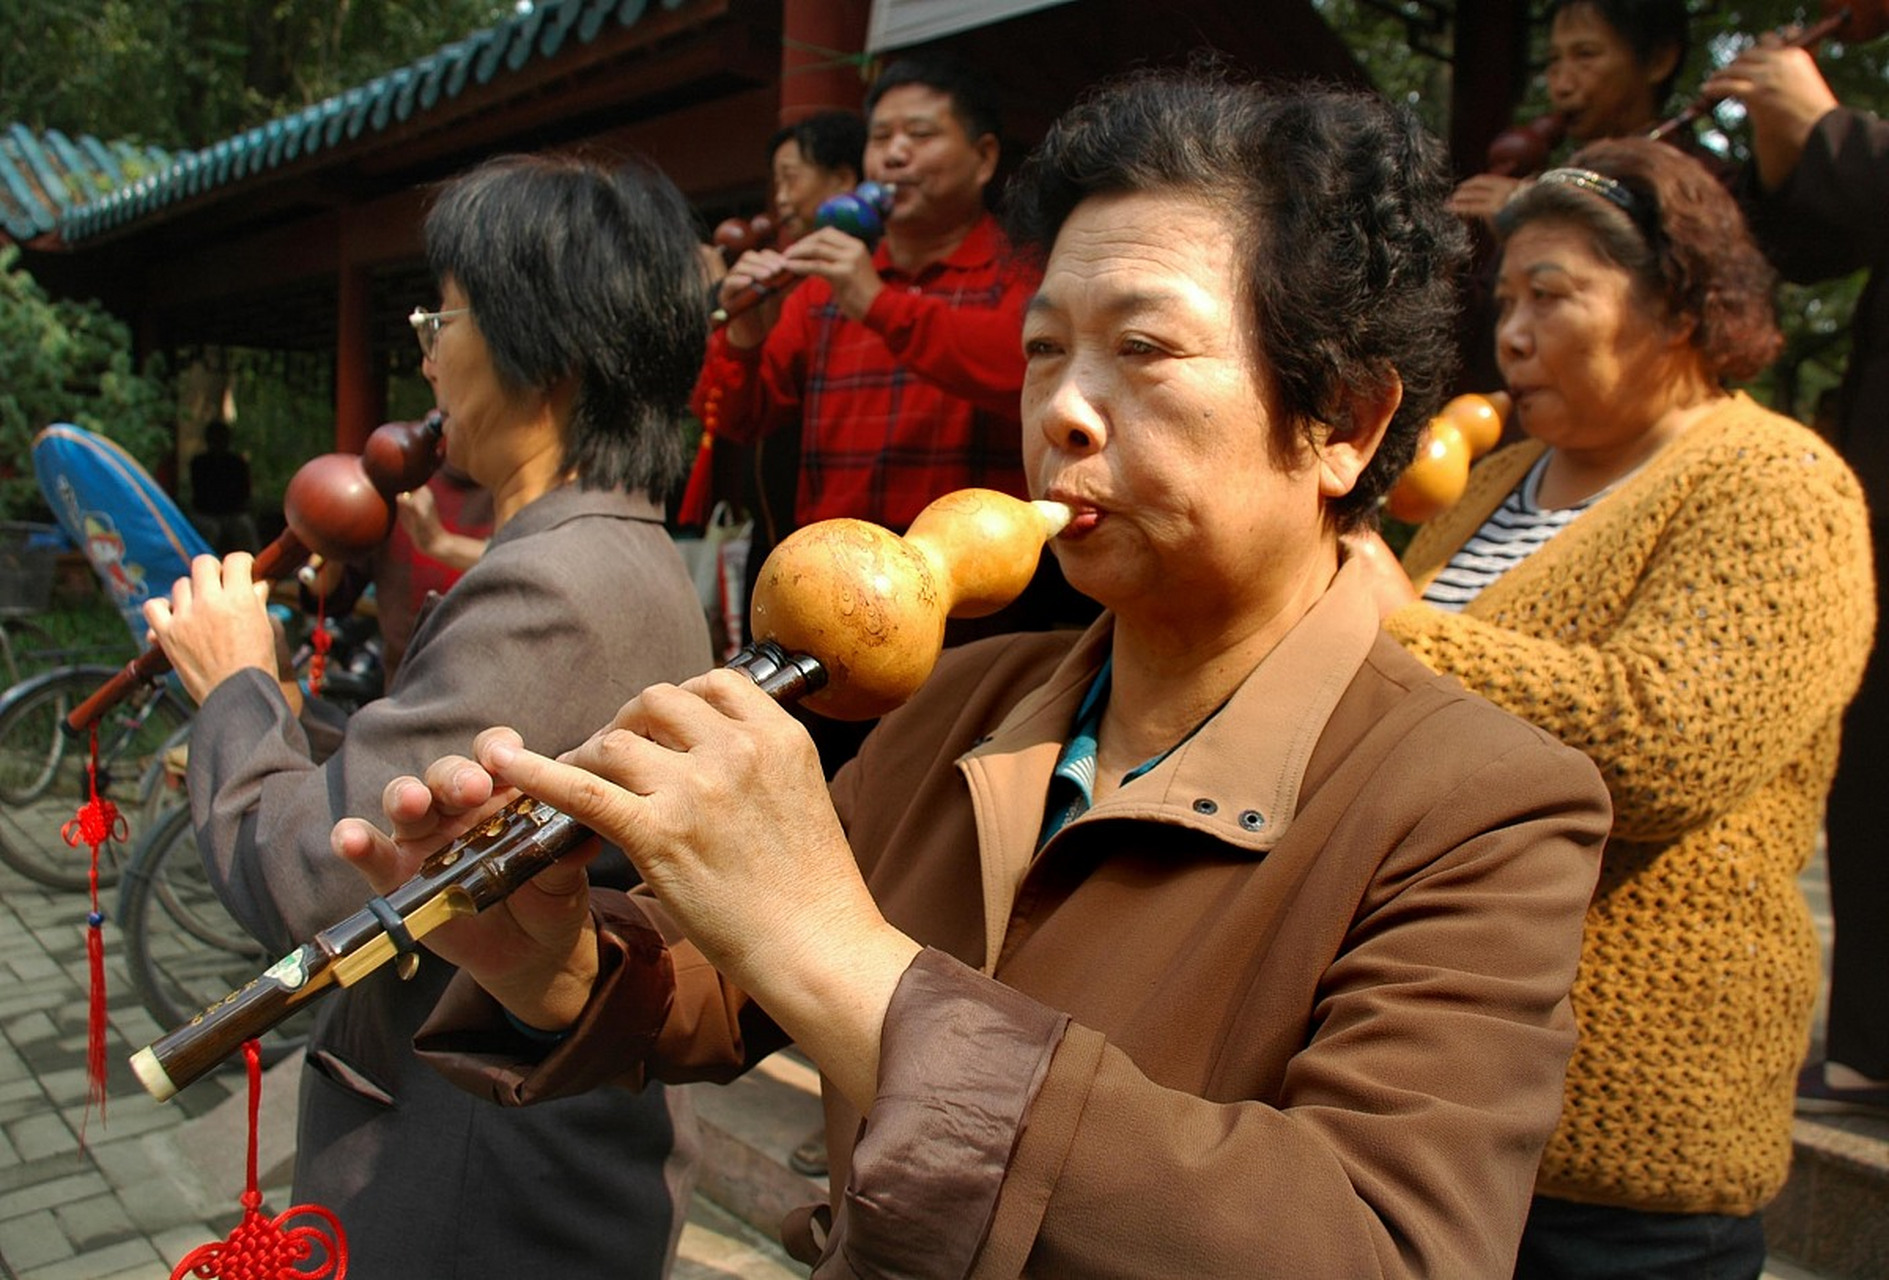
x: 1204, y: 805
x: 1252, y: 819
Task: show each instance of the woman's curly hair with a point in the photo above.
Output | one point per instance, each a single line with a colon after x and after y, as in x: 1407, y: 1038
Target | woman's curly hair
x: 1684, y: 240
x: 1351, y: 260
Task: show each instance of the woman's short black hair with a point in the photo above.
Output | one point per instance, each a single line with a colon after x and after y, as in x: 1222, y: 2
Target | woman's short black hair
x: 1681, y: 235
x: 1650, y: 27
x: 833, y: 140
x: 578, y: 269
x: 1350, y: 259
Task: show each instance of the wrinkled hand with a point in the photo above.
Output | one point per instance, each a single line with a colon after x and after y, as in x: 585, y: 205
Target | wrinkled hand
x: 1390, y: 586
x: 1784, y: 96
x: 215, y: 623
x: 843, y: 261
x: 1482, y: 195
x: 717, y: 796
x: 535, y: 951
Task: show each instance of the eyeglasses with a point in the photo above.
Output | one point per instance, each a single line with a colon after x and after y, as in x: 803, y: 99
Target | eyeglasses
x: 427, y: 324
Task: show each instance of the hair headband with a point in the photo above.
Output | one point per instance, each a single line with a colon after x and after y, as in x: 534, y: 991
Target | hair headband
x: 1599, y: 184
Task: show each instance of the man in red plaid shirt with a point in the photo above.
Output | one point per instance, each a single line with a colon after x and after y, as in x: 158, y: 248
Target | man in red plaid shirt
x: 903, y: 362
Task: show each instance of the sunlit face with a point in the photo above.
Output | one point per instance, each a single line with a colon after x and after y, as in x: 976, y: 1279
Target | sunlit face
x: 800, y: 186
x: 1589, y: 358
x: 480, y: 413
x: 916, y: 142
x: 1146, y: 408
x: 1595, y: 79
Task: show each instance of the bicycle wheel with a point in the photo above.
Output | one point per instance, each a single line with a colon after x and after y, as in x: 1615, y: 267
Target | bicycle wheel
x: 43, y: 770
x: 26, y: 649
x: 184, y: 949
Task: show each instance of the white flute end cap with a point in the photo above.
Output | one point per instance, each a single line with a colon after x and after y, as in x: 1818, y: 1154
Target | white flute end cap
x: 151, y: 1074
x: 1055, y: 514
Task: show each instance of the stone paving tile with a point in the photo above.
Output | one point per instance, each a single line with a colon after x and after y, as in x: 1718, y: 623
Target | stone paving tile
x: 96, y: 1222
x: 27, y: 1173
x: 34, y: 968
x: 127, y: 1257
x: 123, y: 1119
x: 38, y: 1136
x: 174, y: 1243
x: 32, y: 1028
x: 14, y: 1003
x: 33, y: 1240
x: 15, y: 1108
x: 50, y: 1194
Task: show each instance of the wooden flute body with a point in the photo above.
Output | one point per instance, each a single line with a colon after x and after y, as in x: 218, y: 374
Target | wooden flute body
x: 481, y: 867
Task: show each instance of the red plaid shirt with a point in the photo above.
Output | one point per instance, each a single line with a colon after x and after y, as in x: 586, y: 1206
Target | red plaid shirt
x: 917, y: 399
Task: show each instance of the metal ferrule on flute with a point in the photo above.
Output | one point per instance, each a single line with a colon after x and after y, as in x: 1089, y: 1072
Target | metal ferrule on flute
x: 480, y: 868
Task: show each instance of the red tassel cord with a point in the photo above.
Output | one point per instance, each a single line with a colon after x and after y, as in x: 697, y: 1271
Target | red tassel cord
x: 322, y: 642
x: 97, y: 821
x: 260, y: 1248
x: 698, y: 495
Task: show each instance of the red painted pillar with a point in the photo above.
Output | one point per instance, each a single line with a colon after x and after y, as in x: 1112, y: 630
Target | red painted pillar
x: 360, y: 394
x: 821, y: 45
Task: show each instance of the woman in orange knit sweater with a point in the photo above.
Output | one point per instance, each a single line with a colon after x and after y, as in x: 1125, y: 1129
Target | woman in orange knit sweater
x: 1677, y: 582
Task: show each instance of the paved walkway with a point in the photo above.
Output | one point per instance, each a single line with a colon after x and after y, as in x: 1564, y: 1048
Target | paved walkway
x: 107, y: 1198
x: 85, y: 1197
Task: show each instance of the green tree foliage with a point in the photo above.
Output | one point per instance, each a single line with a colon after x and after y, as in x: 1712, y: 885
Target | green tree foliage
x: 67, y: 362
x: 187, y: 73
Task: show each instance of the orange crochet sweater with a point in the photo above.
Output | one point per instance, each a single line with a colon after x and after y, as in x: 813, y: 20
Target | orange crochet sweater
x: 1697, y: 633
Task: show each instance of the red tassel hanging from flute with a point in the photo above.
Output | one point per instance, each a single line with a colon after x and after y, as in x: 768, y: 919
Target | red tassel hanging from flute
x: 260, y: 1248
x: 97, y: 821
x: 322, y: 641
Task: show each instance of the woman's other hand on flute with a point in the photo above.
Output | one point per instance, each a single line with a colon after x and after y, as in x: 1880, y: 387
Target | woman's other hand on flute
x: 716, y: 795
x: 217, y: 623
x: 534, y: 950
x: 1480, y: 196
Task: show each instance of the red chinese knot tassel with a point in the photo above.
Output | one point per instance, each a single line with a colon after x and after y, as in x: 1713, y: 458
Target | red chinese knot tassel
x: 322, y: 641
x: 97, y: 821
x: 260, y: 1248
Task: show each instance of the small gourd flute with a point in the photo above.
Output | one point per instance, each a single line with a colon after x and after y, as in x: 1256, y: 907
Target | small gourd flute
x: 852, y: 619
x: 339, y: 506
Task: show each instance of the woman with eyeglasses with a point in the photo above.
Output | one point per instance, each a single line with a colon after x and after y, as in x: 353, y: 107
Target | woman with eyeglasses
x: 564, y: 343
x: 1677, y: 582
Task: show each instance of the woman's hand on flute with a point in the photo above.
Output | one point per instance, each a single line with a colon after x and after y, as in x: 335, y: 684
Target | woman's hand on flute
x: 1480, y: 196
x: 215, y: 624
x: 535, y: 950
x: 716, y: 795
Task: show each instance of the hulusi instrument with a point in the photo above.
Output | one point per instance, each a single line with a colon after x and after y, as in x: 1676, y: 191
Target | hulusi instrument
x: 850, y: 620
x: 860, y: 213
x: 338, y: 506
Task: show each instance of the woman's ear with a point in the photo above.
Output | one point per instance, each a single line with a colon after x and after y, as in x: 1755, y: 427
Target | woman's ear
x: 1346, y: 451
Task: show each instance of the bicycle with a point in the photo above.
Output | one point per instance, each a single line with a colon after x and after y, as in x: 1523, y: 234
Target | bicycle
x: 45, y: 770
x: 28, y: 555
